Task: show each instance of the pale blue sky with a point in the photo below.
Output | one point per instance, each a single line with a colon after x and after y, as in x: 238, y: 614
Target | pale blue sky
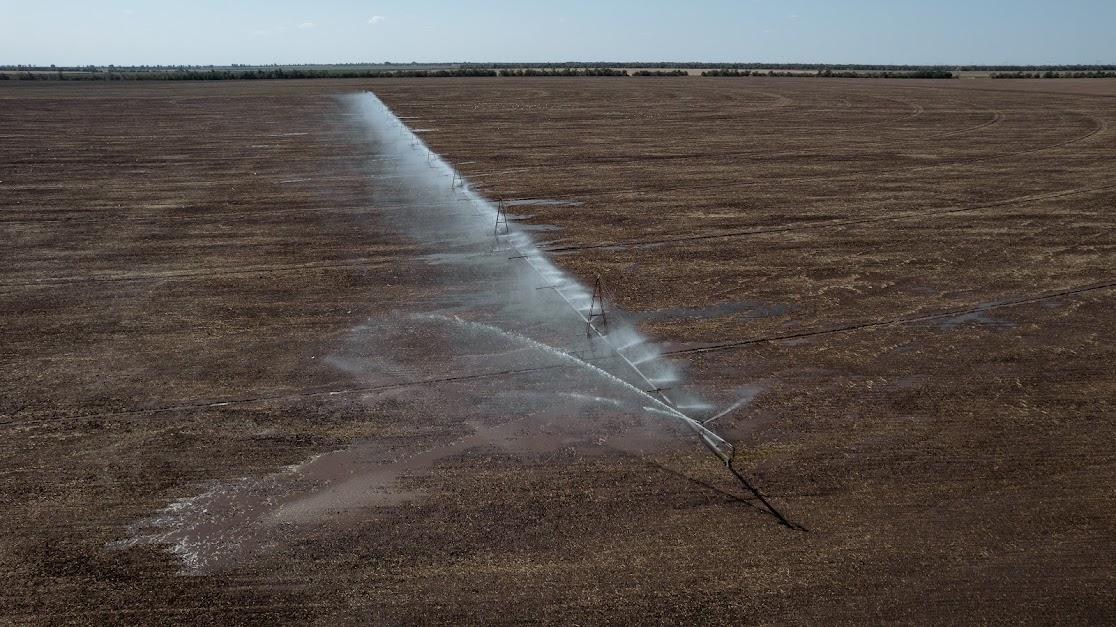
x: 285, y: 31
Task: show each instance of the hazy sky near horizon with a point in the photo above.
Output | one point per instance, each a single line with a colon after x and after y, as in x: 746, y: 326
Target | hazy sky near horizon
x: 126, y: 32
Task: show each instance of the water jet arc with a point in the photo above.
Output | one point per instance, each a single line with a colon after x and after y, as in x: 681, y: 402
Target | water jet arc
x: 523, y: 248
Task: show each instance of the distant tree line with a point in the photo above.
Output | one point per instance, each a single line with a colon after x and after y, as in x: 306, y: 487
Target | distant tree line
x: 629, y: 65
x: 278, y: 72
x: 234, y: 66
x: 599, y: 71
x: 887, y: 74
x: 1053, y: 74
x: 730, y: 72
x: 257, y: 74
x: 797, y: 66
x: 833, y: 74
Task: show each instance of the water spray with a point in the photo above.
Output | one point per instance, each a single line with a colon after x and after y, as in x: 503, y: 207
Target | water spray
x: 590, y: 307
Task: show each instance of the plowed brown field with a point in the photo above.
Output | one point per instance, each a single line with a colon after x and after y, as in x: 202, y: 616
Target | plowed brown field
x: 917, y: 278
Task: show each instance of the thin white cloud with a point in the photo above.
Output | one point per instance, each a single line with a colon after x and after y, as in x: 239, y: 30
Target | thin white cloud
x: 306, y: 25
x: 376, y: 19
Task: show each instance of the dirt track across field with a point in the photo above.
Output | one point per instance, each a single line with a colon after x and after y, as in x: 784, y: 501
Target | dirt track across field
x: 911, y: 283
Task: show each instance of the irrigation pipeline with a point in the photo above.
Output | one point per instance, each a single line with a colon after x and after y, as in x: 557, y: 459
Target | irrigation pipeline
x: 721, y: 448
x: 716, y: 444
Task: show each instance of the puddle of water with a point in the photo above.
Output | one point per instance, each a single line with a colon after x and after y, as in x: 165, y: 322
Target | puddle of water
x: 979, y: 318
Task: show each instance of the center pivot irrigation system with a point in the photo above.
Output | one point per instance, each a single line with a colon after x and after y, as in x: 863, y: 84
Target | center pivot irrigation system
x: 594, y: 315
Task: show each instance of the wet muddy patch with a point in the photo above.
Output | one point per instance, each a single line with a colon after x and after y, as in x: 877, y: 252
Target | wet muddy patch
x: 976, y: 318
